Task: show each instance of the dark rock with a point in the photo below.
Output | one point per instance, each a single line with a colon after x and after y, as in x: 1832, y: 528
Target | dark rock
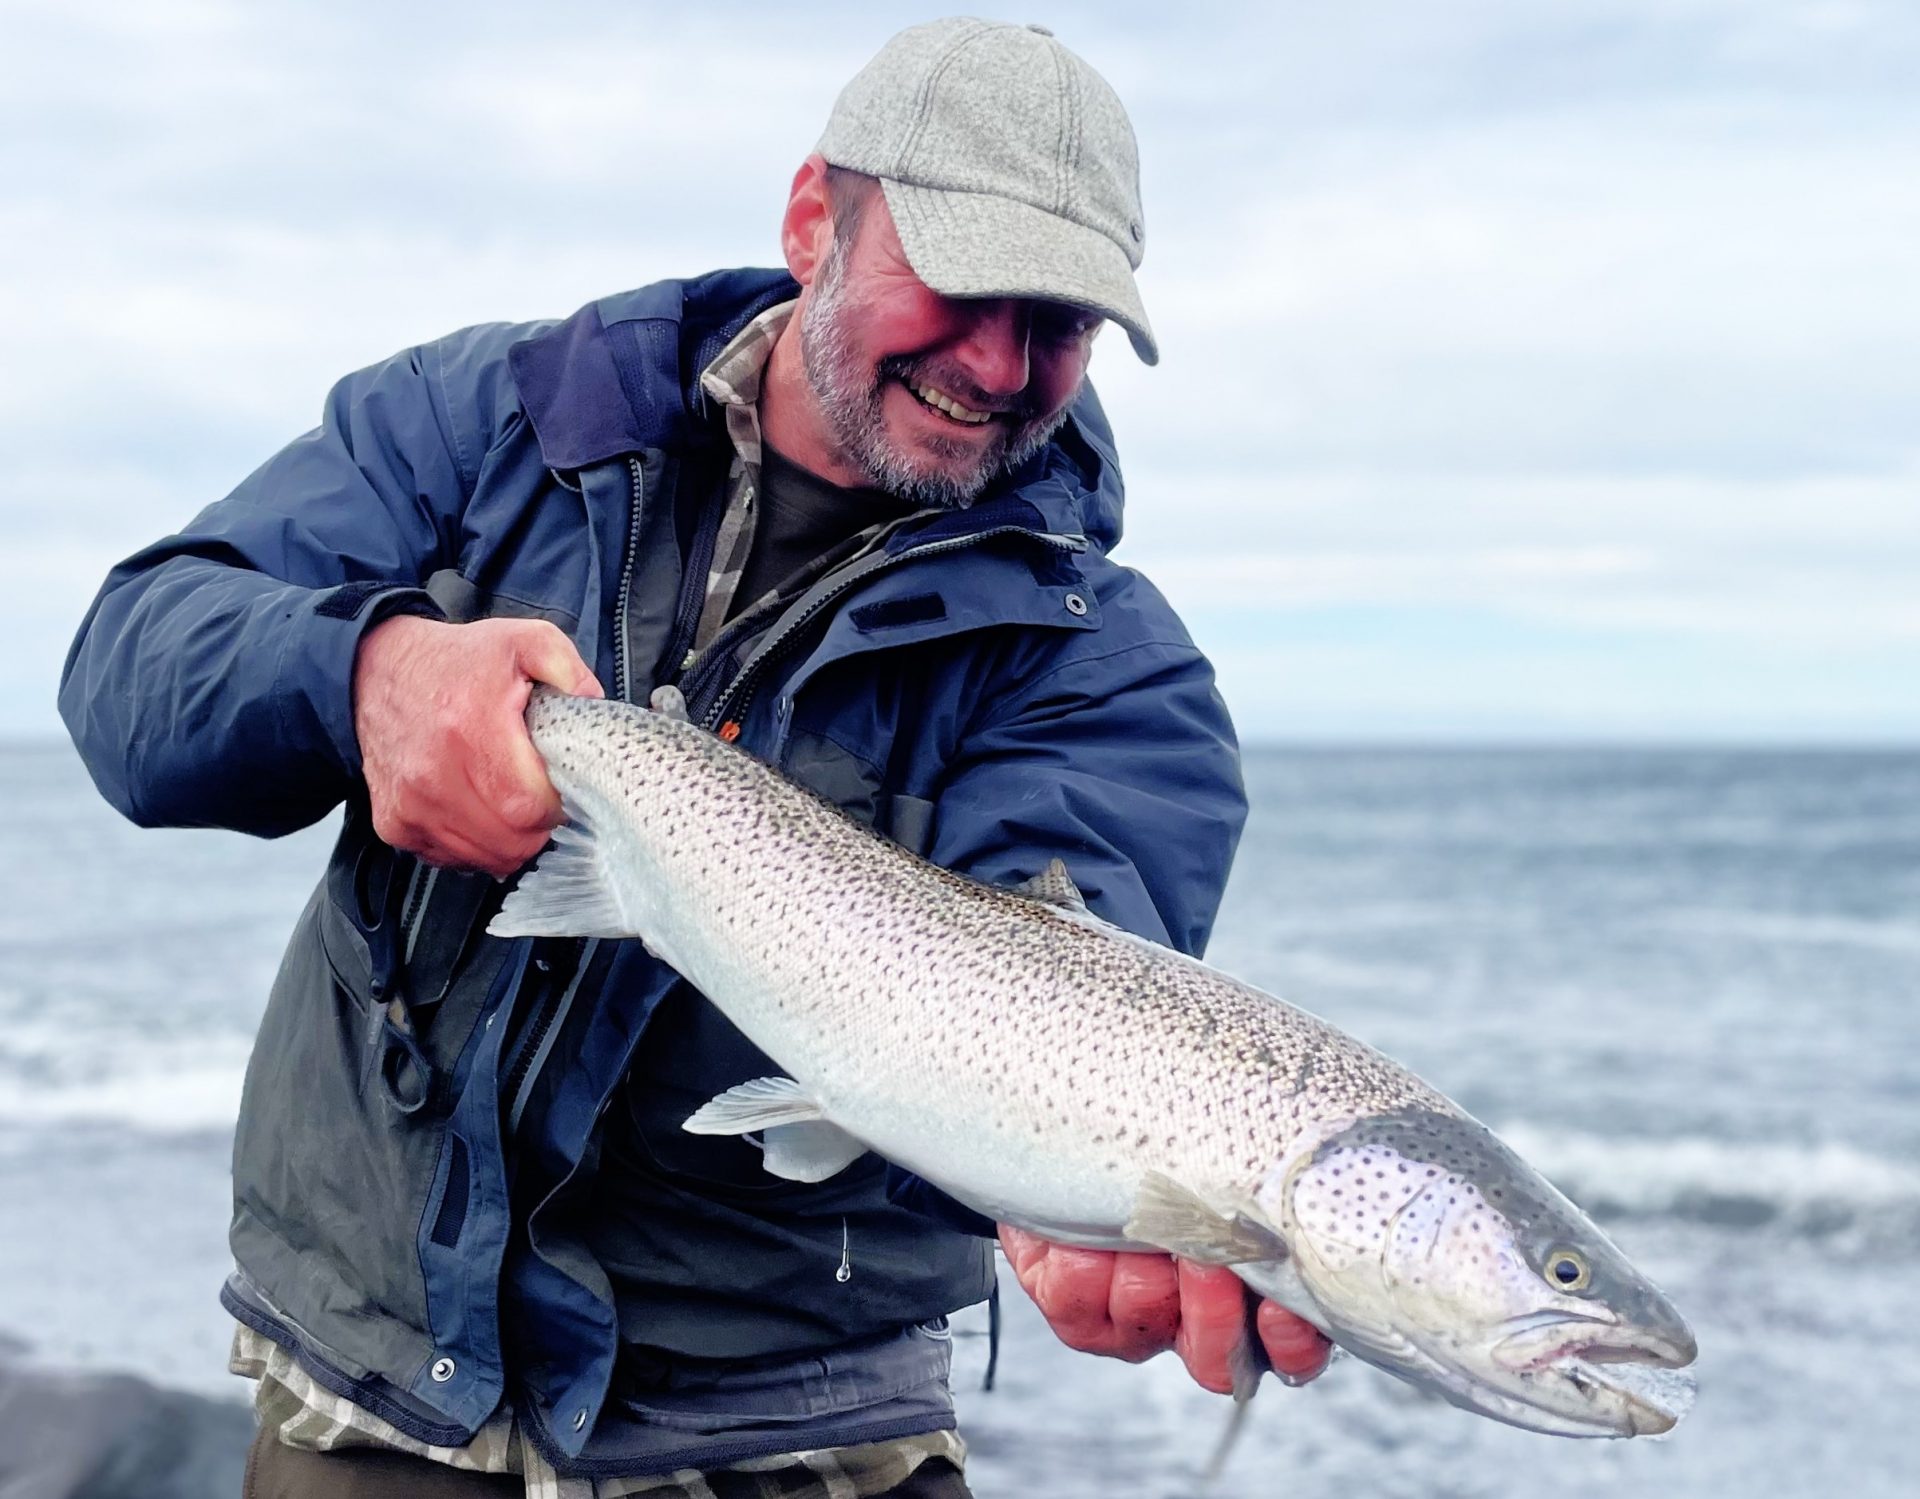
x: 65, y: 1434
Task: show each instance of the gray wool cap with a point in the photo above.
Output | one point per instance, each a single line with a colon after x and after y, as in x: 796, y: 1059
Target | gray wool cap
x: 1008, y: 164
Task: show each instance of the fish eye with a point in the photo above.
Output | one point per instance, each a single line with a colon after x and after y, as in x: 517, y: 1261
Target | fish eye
x: 1568, y: 1270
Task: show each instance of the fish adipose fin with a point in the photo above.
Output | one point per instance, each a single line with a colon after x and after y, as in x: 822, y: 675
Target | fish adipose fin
x: 669, y: 701
x: 798, y: 1141
x: 569, y: 892
x: 1169, y: 1216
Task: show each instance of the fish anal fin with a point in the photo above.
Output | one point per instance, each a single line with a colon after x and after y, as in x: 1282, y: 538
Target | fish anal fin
x: 1174, y: 1218
x: 761, y: 1103
x: 569, y: 892
x: 811, y: 1151
x: 797, y: 1140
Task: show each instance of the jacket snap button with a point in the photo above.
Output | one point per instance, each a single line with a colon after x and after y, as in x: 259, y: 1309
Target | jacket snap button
x: 1076, y: 605
x: 442, y: 1370
x: 579, y: 1420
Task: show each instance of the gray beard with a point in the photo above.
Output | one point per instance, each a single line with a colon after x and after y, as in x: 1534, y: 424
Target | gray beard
x: 849, y: 396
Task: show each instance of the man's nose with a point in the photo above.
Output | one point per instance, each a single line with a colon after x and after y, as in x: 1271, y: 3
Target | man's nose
x: 994, y: 350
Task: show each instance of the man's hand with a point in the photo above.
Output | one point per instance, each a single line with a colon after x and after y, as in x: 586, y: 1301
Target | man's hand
x: 1133, y: 1306
x: 439, y: 709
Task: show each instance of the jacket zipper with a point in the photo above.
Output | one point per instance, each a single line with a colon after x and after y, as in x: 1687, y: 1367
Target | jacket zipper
x: 557, y: 983
x: 621, y: 687
x: 419, y: 892
x: 732, y: 702
x: 693, y: 591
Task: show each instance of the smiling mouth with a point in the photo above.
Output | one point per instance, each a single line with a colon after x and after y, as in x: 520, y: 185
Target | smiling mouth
x: 942, y: 404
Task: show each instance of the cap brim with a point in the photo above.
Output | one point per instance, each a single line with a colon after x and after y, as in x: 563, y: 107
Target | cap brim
x: 975, y: 245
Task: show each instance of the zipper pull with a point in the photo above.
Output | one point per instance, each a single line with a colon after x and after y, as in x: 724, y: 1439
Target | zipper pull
x: 845, y: 1272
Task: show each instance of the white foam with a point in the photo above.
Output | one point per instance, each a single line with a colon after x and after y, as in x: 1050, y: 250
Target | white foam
x: 1658, y: 1175
x: 177, y: 1085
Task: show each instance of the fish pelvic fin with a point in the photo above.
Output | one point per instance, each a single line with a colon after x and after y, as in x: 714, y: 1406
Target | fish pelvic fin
x: 797, y: 1141
x: 569, y: 892
x: 1169, y: 1216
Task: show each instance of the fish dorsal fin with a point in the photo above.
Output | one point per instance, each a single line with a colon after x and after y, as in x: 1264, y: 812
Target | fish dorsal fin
x: 1169, y: 1216
x: 1056, y: 887
x: 799, y: 1142
x: 570, y: 891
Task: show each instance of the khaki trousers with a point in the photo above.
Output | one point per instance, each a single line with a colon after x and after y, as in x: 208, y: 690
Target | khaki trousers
x: 276, y: 1471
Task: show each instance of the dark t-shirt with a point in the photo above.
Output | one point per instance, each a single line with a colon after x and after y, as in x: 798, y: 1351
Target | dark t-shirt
x: 802, y: 518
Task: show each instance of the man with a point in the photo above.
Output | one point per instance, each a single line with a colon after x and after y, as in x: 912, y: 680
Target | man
x: 859, y: 514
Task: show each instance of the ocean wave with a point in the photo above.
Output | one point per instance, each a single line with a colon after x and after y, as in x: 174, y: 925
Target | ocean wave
x: 191, y: 1085
x: 1806, y: 1188
x: 161, y: 1086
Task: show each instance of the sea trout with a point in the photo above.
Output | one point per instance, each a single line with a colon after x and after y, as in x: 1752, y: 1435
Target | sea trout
x: 1054, y: 1072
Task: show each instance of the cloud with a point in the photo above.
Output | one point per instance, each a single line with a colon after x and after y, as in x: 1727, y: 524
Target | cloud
x: 1592, y: 321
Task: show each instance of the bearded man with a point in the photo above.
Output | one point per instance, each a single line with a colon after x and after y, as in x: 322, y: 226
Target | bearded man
x: 859, y: 512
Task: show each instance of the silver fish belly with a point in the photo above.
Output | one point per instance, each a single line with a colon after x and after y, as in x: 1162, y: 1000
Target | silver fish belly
x: 1054, y: 1072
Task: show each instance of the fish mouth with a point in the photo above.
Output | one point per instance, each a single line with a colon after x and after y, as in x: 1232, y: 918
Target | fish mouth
x: 1627, y: 1377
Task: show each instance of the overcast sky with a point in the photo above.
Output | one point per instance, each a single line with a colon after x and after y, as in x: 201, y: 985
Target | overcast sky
x: 1530, y: 370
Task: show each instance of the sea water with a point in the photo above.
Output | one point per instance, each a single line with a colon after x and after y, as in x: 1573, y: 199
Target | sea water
x: 1684, y: 983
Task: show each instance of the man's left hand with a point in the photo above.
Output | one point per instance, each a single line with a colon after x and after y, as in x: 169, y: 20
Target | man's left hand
x: 1132, y: 1306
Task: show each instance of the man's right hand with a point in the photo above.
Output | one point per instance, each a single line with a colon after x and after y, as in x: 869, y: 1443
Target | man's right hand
x: 440, y: 713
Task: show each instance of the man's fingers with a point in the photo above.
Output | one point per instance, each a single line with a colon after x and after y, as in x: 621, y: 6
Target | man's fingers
x: 513, y: 782
x: 1070, y: 1286
x: 1023, y: 1251
x: 1296, y: 1348
x: 1213, y: 1319
x: 1075, y: 1286
x: 512, y: 823
x: 1143, y: 1304
x: 544, y: 653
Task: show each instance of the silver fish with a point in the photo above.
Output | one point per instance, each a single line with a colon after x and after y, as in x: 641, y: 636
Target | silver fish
x: 1054, y: 1072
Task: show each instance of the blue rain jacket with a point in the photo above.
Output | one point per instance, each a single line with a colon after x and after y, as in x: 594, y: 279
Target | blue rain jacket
x: 420, y: 1136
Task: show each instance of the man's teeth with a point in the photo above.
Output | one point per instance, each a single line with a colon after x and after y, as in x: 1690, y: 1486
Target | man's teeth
x: 952, y: 407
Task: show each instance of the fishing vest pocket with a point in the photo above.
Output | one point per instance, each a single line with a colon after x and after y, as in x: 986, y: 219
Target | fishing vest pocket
x: 407, y: 945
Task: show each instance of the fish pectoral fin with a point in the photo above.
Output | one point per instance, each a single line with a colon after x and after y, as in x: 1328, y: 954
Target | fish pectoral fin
x: 569, y: 892
x: 809, y: 1152
x: 761, y: 1103
x: 1056, y: 887
x: 1180, y: 1221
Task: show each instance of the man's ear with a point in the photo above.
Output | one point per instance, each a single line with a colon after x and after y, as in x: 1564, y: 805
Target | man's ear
x: 806, y: 229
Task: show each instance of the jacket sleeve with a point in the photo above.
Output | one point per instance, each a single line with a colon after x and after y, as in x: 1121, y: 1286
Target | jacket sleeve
x: 1122, y: 765
x: 210, y: 683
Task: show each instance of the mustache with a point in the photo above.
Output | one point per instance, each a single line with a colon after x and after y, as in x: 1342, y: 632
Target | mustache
x: 910, y: 371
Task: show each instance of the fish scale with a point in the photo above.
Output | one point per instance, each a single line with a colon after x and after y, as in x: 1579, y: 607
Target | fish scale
x: 1055, y: 1072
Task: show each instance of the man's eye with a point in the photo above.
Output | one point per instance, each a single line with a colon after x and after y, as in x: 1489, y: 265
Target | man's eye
x: 1064, y: 324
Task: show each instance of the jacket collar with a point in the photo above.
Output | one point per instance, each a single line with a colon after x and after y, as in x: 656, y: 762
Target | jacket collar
x: 622, y: 375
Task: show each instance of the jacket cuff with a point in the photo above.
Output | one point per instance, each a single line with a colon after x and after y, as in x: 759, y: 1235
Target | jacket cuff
x: 325, y: 653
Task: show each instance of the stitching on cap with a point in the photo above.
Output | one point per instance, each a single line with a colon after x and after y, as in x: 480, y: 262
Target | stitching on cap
x: 960, y: 44
x: 1069, y: 135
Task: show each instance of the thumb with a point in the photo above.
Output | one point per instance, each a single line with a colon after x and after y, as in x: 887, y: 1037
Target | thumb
x: 545, y: 654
